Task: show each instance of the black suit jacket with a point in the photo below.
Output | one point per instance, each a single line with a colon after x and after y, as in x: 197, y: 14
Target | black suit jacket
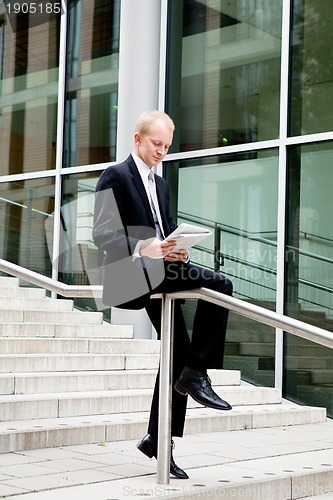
x: 122, y: 217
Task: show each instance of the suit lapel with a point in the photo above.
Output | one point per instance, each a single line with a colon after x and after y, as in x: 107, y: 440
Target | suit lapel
x: 137, y: 181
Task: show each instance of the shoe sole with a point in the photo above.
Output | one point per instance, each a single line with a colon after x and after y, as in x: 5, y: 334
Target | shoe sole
x: 184, y: 392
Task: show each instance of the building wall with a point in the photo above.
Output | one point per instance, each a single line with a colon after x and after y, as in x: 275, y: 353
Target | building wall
x: 248, y: 85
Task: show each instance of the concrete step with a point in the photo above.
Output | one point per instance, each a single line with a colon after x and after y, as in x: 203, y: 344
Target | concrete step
x: 16, y: 291
x: 265, y: 378
x: 249, y: 364
x: 23, y: 363
x: 308, y: 362
x: 51, y: 330
x: 317, y: 395
x: 28, y: 345
x: 47, y: 382
x: 59, y: 317
x: 321, y: 376
x: 40, y: 406
x: 53, y: 432
x: 254, y: 349
x: 44, y: 304
x: 9, y: 282
x: 237, y: 322
x: 240, y: 336
x: 259, y: 464
x: 268, y: 349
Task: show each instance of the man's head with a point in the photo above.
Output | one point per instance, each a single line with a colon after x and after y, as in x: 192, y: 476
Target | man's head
x: 153, y: 136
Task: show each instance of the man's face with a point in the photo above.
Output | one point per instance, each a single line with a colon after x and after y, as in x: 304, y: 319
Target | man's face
x: 153, y: 146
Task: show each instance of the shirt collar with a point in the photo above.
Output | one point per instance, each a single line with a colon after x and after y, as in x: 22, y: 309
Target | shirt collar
x: 142, y: 167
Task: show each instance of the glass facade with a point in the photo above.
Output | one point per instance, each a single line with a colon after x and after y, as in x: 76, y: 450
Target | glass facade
x: 224, y: 72
x: 92, y: 82
x: 229, y: 194
x: 311, y: 69
x: 248, y: 84
x: 29, y: 71
x: 26, y: 206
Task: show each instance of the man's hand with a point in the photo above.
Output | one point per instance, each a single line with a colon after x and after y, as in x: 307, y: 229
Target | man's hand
x: 182, y: 255
x: 157, y: 249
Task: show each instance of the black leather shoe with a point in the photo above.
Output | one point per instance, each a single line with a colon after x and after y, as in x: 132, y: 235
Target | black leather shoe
x: 148, y: 446
x: 197, y: 384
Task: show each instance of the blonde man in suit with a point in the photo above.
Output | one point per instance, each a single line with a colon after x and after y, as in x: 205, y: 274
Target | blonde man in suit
x: 132, y: 229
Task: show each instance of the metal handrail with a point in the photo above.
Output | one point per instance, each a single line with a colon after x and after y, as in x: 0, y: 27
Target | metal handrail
x: 50, y: 284
x: 257, y: 313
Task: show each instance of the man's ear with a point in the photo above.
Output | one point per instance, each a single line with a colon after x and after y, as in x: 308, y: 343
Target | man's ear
x: 137, y: 139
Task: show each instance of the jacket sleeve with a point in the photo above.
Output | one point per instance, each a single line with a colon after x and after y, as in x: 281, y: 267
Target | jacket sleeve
x: 109, y: 232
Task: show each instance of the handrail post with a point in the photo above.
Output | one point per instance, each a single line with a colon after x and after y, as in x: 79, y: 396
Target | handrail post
x: 165, y: 393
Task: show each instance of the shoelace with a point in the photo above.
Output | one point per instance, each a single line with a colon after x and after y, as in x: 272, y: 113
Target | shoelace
x: 208, y: 379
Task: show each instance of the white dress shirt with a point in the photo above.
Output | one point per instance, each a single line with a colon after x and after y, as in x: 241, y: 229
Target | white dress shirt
x: 144, y: 171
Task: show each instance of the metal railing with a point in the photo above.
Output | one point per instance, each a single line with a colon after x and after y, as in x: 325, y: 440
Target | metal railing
x: 257, y: 313
x: 50, y: 284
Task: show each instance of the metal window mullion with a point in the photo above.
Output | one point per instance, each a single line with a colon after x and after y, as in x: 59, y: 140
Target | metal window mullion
x: 282, y: 186
x: 223, y: 150
x: 309, y: 138
x: 163, y: 52
x: 60, y: 141
x: 162, y: 63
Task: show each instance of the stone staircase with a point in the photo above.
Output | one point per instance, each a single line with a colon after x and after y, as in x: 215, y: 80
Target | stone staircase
x: 67, y: 379
x: 250, y: 347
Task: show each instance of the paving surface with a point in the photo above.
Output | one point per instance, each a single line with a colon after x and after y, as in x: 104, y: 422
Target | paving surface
x: 269, y: 463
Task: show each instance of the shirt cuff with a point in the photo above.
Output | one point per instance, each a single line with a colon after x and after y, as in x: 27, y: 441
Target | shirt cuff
x: 136, y: 253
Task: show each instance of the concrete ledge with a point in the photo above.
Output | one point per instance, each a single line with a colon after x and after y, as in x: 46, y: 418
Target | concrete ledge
x: 133, y: 425
x: 269, y: 464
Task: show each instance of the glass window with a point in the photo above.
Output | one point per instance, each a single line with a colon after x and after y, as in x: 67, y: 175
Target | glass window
x: 309, y: 276
x: 80, y: 260
x: 26, y: 207
x: 224, y: 71
x: 310, y: 234
x: 28, y: 94
x: 311, y: 68
x: 92, y: 94
x: 236, y: 196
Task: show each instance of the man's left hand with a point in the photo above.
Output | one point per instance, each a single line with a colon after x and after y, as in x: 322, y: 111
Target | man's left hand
x: 182, y: 256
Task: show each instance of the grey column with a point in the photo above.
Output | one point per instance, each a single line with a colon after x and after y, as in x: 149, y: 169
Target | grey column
x: 139, y: 65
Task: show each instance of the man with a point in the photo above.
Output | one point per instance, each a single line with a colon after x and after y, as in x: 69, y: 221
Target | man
x: 131, y: 228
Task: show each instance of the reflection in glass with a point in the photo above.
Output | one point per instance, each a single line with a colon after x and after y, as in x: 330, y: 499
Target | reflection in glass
x: 236, y: 196
x: 25, y: 208
x: 225, y: 58
x: 92, y: 94
x: 28, y: 95
x: 309, y: 272
x: 80, y: 260
x: 311, y: 68
x: 310, y: 233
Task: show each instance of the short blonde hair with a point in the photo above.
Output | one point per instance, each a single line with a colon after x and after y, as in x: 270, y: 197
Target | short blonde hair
x: 147, y: 118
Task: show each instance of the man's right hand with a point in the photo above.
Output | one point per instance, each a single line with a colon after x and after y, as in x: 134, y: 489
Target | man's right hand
x: 156, y: 249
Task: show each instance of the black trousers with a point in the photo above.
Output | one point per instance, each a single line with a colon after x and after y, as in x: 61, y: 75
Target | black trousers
x: 206, y: 348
